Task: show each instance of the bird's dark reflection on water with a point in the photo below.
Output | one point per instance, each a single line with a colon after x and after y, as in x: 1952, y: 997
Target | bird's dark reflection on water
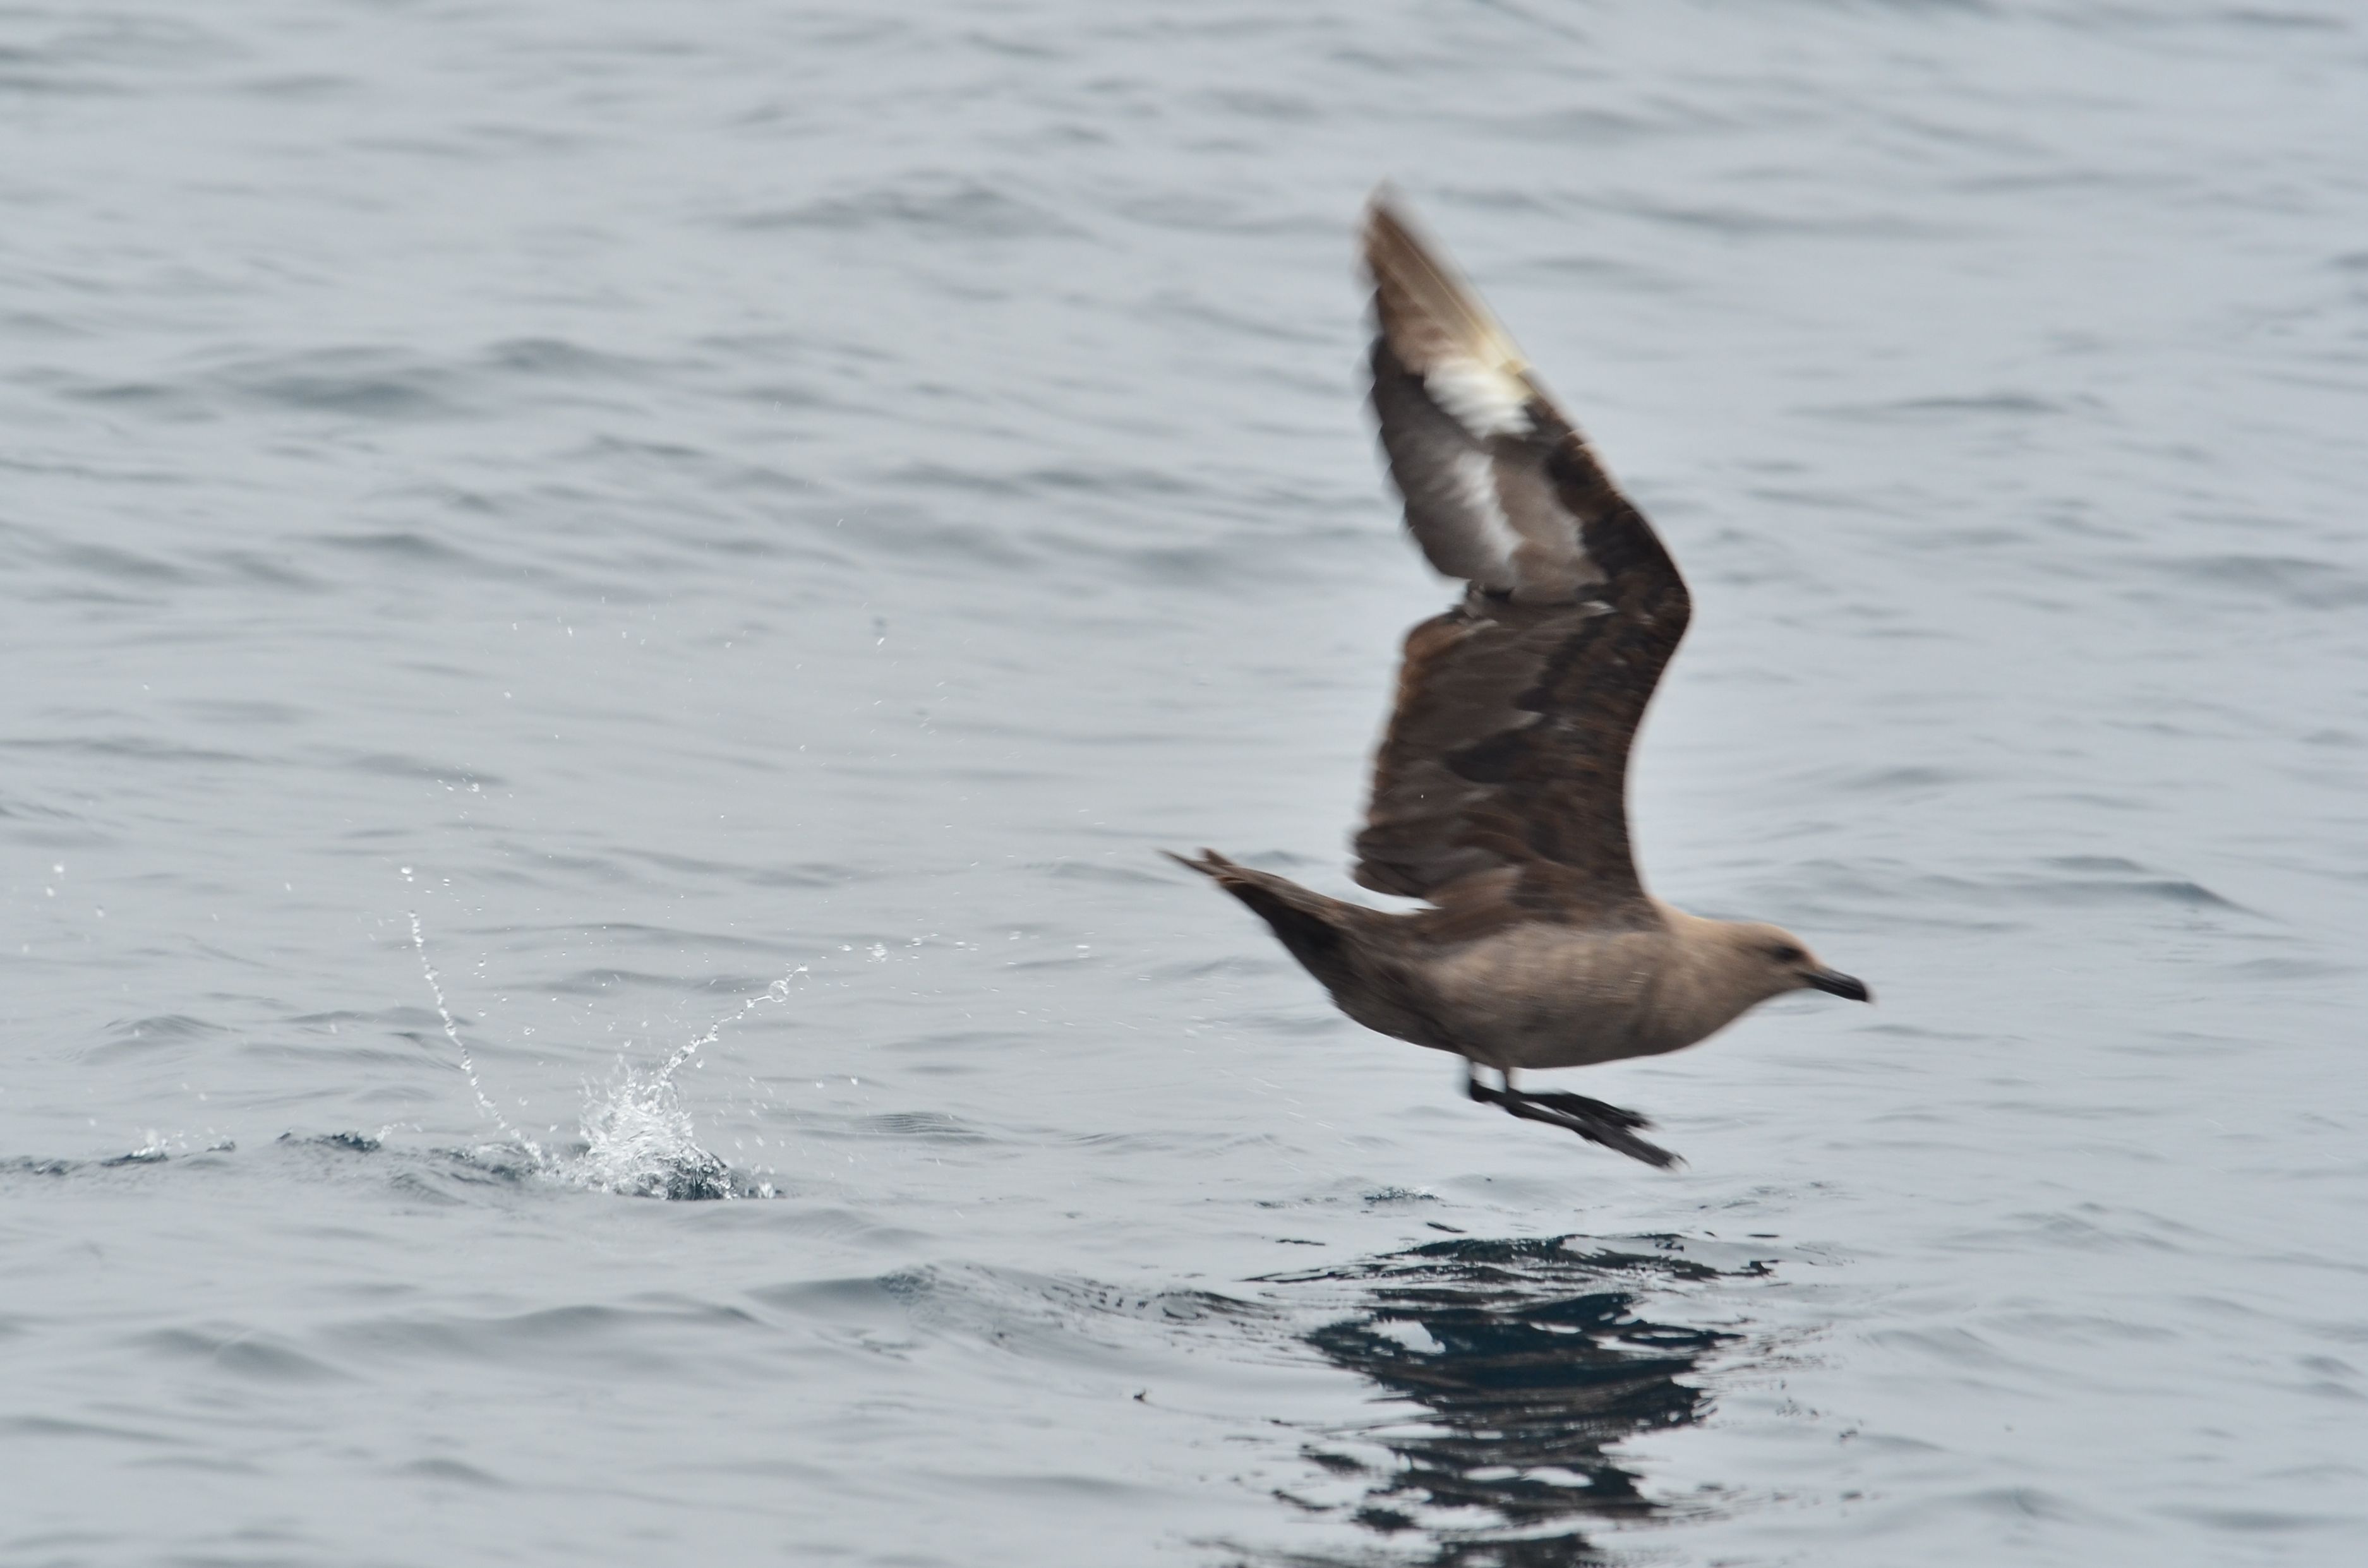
x: 1530, y: 1361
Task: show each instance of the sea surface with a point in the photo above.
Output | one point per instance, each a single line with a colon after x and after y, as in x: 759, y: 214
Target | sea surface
x: 606, y: 607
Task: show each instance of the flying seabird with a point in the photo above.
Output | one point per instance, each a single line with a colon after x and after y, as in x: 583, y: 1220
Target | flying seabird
x: 1499, y: 792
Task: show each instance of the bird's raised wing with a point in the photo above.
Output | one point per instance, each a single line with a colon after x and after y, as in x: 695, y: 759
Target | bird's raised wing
x: 1504, y: 766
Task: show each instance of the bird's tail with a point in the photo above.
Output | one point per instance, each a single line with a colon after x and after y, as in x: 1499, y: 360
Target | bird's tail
x: 1312, y: 926
x: 1210, y: 864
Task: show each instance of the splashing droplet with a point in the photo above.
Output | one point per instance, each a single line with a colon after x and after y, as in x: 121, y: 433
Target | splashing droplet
x: 452, y: 1032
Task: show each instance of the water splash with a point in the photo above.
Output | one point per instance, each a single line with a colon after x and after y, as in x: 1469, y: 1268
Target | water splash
x: 637, y: 1141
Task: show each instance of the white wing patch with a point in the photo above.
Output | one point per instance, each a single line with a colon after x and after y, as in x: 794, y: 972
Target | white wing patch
x: 1475, y: 477
x: 1484, y: 400
x: 1470, y: 438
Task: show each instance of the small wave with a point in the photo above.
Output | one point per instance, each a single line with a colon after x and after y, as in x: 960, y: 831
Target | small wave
x: 2003, y: 403
x: 243, y: 1352
x: 366, y: 382
x: 1988, y: 901
x: 156, y: 1148
x: 25, y: 1164
x: 934, y: 1126
x: 2301, y: 581
x: 162, y: 1028
x: 354, y: 1142
x: 958, y: 206
x: 1064, y: 1318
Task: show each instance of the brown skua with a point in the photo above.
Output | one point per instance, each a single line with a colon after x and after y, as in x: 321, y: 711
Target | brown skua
x: 1499, y: 792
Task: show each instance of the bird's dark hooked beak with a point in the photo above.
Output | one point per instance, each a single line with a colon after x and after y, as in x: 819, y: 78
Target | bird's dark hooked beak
x: 1834, y: 982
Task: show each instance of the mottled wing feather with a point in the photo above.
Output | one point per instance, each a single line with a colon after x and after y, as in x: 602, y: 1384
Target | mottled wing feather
x: 1502, y: 778
x: 1468, y: 433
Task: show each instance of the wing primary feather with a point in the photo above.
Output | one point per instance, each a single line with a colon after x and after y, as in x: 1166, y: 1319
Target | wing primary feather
x: 1440, y: 329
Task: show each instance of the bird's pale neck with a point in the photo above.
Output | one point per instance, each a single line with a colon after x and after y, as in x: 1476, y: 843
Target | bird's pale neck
x: 1716, y: 973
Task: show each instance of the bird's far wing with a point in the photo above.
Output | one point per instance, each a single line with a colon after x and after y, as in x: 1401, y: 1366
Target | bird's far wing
x: 1507, y: 751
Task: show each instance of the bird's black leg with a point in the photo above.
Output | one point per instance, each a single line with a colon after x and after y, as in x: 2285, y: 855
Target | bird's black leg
x: 1591, y: 1118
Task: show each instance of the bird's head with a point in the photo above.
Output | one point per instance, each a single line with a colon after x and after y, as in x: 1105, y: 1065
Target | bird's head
x: 1784, y: 962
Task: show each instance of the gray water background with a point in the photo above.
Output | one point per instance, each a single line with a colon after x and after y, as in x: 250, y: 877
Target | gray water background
x: 753, y: 523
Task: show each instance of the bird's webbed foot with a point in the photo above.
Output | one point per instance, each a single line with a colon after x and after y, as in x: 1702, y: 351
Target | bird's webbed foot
x: 1579, y: 1104
x: 1591, y: 1118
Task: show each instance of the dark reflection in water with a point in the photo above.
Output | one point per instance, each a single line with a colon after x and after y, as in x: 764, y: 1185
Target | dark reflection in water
x: 1529, y: 1361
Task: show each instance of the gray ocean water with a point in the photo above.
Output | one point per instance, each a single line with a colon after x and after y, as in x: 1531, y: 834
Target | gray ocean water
x: 727, y: 535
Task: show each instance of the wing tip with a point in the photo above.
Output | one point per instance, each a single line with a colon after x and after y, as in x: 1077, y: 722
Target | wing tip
x: 1403, y: 257
x: 1386, y: 211
x: 1438, y: 327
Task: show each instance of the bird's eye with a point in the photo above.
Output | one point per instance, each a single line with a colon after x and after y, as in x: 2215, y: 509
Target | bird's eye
x: 1788, y: 955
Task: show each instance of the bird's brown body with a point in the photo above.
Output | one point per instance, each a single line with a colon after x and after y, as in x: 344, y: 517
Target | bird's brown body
x: 1499, y: 791
x: 1521, y: 993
